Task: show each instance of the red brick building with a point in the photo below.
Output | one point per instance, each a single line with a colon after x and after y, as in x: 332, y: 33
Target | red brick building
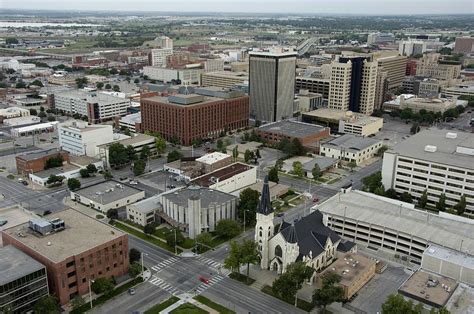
x: 410, y: 69
x: 194, y: 117
x: 85, y: 250
x: 35, y: 161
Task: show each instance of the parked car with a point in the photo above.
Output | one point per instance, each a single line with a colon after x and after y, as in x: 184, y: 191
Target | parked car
x: 3, y: 222
x: 280, y: 215
x: 131, y: 291
x: 24, y: 182
x: 204, y: 279
x: 315, y: 200
x: 133, y: 182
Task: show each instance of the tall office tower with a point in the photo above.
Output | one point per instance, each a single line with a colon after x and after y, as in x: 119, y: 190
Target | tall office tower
x: 411, y: 47
x: 165, y: 42
x: 395, y: 66
x: 158, y: 57
x: 381, y: 88
x: 353, y: 82
x: 272, y: 85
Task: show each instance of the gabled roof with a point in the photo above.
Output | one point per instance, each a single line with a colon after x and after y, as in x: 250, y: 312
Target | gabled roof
x: 265, y: 205
x: 310, y: 234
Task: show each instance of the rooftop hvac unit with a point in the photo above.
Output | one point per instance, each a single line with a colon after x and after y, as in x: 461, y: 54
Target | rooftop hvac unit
x: 41, y: 226
x: 57, y: 224
x: 430, y: 148
x: 451, y: 135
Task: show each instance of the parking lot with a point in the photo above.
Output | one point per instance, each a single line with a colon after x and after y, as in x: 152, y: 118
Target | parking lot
x: 371, y: 297
x: 161, y: 180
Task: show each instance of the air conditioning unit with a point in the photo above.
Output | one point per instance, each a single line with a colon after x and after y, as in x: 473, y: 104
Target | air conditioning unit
x: 430, y: 148
x: 451, y: 135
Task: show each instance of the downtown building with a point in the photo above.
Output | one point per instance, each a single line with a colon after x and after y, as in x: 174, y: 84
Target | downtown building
x: 395, y: 66
x: 353, y: 84
x: 96, y: 106
x: 438, y: 161
x: 272, y: 85
x: 194, y: 117
x: 75, y: 249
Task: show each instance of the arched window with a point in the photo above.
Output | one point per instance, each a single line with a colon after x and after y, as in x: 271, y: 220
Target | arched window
x: 278, y: 251
x: 260, y: 233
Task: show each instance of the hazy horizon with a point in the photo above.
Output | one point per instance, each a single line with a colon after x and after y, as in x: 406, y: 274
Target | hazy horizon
x: 352, y: 7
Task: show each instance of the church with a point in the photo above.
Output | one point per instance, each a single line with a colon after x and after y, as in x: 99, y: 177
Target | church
x: 307, y: 239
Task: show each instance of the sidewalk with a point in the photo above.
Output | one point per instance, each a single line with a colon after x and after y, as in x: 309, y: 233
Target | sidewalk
x: 188, y: 298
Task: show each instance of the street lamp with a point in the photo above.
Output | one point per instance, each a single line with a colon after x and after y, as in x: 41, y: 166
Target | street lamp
x: 90, y: 291
x: 143, y: 268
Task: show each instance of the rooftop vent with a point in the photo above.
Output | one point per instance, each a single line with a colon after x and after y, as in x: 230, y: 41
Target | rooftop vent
x: 451, y: 135
x: 430, y: 148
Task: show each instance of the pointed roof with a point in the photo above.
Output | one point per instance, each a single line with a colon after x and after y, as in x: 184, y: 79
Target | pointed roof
x: 265, y: 206
x: 292, y: 237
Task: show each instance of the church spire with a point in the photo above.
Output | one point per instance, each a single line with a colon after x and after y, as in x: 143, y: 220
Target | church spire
x: 265, y: 206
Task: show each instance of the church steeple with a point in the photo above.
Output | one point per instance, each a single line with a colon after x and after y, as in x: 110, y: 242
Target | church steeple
x: 265, y: 206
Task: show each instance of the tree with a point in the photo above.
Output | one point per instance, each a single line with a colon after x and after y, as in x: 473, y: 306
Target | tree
x: 73, y: 184
x: 51, y: 118
x: 220, y: 144
x: 460, y: 207
x: 53, y: 162
x: 134, y: 269
x: 288, y: 284
x: 20, y: 84
x: 391, y: 193
x: 329, y: 292
x: 257, y: 154
x: 372, y: 182
x: 112, y: 213
x: 108, y: 86
x: 149, y: 228
x: 352, y: 164
x: 316, y: 171
x: 248, y: 203
x: 298, y: 169
x: 118, y: 155
x: 91, y: 168
x: 139, y: 167
x: 47, y: 305
x: 247, y: 155
x: 37, y: 83
x: 441, y: 204
x: 33, y: 112
x: 77, y: 302
x: 415, y: 128
x: 174, y: 155
x: 99, y: 85
x: 136, y: 81
x: 11, y: 41
x: 116, y: 88
x: 406, y: 114
x: 423, y: 200
x: 396, y: 304
x: 380, y: 191
x: 42, y: 114
x: 108, y: 175
x: 174, y: 237
x: 235, y: 152
x: 131, y: 153
x: 160, y: 144
x: 234, y: 259
x: 145, y: 153
x: 102, y: 285
x: 84, y: 173
x: 227, y: 228
x: 134, y: 255
x: 273, y: 175
x: 204, y: 238
x: 298, y: 148
x: 406, y: 197
x: 81, y: 82
x: 249, y: 254
x: 54, y: 179
x: 114, y: 71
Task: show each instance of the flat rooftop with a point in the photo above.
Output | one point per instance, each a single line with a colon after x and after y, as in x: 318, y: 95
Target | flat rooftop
x: 106, y: 192
x: 207, y: 196
x: 82, y: 233
x: 39, y: 154
x: 221, y: 174
x: 184, y: 100
x: 450, y: 256
x: 348, y: 116
x: 132, y: 118
x: 292, y: 128
x: 98, y: 97
x: 212, y: 158
x: 350, y: 267
x: 395, y: 215
x: 428, y: 288
x: 351, y: 142
x: 55, y: 171
x: 134, y: 140
x: 228, y: 74
x: 15, y: 264
x: 36, y: 126
x: 446, y: 153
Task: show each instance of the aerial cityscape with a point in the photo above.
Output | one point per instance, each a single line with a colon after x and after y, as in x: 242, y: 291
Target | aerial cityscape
x: 265, y: 156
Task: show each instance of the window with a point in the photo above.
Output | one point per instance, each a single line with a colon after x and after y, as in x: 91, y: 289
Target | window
x: 278, y: 251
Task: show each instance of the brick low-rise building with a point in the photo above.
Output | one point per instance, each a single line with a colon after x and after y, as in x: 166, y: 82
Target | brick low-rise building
x: 195, y: 117
x: 35, y: 161
x: 80, y: 250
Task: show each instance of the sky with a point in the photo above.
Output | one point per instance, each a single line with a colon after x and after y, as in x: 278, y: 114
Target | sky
x: 370, y: 7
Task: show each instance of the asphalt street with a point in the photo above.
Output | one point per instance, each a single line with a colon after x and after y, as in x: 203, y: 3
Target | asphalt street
x: 173, y: 275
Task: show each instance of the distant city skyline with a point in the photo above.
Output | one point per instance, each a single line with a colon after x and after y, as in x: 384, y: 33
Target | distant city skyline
x: 369, y: 7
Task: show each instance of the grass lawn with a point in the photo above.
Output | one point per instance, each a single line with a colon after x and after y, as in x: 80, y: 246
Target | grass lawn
x: 302, y: 304
x: 242, y: 278
x: 334, y: 180
x: 145, y: 237
x: 163, y: 305
x: 164, y: 231
x: 188, y: 308
x: 219, y: 308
